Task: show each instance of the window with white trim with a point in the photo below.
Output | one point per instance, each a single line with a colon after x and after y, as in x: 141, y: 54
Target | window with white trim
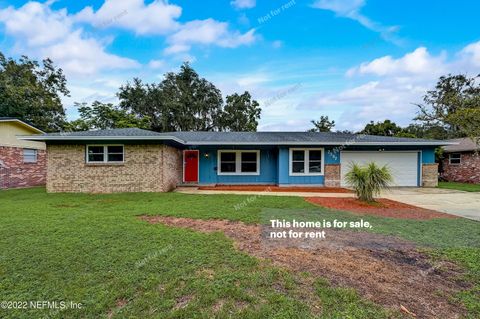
x: 228, y: 162
x: 30, y: 155
x: 298, y: 161
x: 238, y: 162
x: 105, y: 154
x: 306, y: 161
x: 455, y: 158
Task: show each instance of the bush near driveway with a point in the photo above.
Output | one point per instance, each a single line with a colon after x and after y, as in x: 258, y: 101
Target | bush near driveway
x: 368, y: 180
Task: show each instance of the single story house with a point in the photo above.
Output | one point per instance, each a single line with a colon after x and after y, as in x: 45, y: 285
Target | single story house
x: 461, y: 162
x: 135, y: 160
x: 22, y: 162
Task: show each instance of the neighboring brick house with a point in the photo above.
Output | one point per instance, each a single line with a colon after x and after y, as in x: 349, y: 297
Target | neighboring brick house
x: 135, y: 160
x: 22, y: 163
x: 461, y: 162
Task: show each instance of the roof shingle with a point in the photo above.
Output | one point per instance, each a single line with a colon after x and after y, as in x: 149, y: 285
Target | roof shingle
x: 461, y: 145
x: 239, y: 138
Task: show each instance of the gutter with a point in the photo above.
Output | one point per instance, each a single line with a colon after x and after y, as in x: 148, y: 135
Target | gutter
x: 346, y: 143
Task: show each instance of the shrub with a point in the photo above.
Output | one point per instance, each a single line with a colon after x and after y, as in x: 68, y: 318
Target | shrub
x: 368, y: 180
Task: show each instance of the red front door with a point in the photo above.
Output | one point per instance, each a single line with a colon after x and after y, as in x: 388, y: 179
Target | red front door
x: 190, y: 166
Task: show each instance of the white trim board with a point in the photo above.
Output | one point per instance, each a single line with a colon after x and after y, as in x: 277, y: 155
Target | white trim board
x: 105, y: 154
x: 306, y: 161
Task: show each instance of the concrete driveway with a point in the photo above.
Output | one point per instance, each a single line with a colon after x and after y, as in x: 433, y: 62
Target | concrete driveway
x: 464, y: 204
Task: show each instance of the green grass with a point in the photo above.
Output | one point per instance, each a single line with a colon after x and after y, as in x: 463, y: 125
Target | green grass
x: 466, y: 187
x: 91, y: 249
x: 456, y: 239
x: 439, y: 233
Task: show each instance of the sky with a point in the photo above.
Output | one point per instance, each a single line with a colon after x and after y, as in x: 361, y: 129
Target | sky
x: 353, y: 60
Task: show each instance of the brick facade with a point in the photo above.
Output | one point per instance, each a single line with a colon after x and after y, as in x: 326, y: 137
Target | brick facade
x: 332, y: 175
x: 15, y: 173
x: 468, y: 171
x: 146, y: 168
x: 430, y: 175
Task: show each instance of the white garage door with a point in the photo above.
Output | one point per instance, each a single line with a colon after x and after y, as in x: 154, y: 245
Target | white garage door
x: 403, y: 165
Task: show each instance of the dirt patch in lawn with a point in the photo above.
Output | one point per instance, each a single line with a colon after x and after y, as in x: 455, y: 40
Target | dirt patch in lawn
x: 119, y: 304
x: 182, y: 302
x: 388, y: 271
x: 383, y: 207
x: 274, y: 188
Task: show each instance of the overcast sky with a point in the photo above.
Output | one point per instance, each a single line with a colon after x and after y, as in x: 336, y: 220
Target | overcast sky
x: 353, y: 60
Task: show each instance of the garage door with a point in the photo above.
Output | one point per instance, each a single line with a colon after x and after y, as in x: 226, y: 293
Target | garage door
x: 403, y: 165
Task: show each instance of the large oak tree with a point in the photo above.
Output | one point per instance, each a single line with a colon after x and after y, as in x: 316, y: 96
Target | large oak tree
x: 104, y: 116
x: 451, y: 105
x: 32, y: 91
x: 241, y: 113
x: 184, y: 101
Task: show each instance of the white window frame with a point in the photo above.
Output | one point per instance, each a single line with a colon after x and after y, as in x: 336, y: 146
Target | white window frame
x: 105, y: 154
x: 306, y: 164
x: 459, y: 159
x: 238, y: 162
x: 35, y: 153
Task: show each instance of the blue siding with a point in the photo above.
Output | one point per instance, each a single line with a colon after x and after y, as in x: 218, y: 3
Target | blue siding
x: 268, y: 167
x: 284, y: 178
x: 274, y: 164
x: 428, y: 156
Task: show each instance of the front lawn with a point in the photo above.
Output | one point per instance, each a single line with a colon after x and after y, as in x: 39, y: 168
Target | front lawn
x: 466, y: 187
x: 91, y: 249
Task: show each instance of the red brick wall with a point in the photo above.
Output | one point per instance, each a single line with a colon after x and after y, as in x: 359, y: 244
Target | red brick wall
x: 15, y: 173
x: 466, y: 172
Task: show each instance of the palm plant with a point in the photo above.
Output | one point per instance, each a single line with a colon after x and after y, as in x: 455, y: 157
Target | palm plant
x: 369, y: 180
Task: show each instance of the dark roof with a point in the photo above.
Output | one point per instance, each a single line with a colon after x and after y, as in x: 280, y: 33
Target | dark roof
x: 465, y: 144
x: 131, y: 132
x: 288, y: 137
x: 237, y: 138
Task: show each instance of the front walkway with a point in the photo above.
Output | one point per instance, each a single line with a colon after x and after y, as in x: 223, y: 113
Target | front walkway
x: 464, y: 204
x: 276, y: 188
x: 273, y: 191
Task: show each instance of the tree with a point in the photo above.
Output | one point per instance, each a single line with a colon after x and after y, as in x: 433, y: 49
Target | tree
x: 196, y: 103
x: 183, y: 101
x: 385, y: 128
x: 323, y: 125
x: 240, y: 114
x: 32, y: 92
x: 429, y: 131
x: 452, y: 93
x: 468, y: 122
x: 146, y: 101
x: 104, y: 116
